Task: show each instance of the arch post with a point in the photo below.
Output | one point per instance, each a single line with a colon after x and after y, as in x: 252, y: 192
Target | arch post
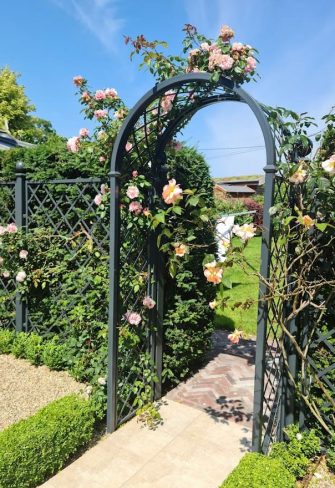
x: 114, y: 297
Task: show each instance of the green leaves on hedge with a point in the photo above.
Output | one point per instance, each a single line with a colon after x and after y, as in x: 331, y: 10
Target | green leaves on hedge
x: 36, y: 448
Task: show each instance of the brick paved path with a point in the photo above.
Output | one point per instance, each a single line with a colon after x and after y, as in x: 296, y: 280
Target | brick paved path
x: 224, y: 386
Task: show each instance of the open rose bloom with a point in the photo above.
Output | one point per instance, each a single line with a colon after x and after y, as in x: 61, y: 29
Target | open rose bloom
x: 167, y: 101
x: 172, y: 192
x: 235, y: 336
x: 245, y: 231
x: 307, y: 221
x: 72, y: 144
x: 299, y: 176
x: 329, y: 165
x: 181, y: 249
x: 132, y: 192
x: 133, y: 318
x: 213, y: 272
x: 148, y: 302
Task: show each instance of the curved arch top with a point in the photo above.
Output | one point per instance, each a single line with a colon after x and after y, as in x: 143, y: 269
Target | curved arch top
x: 223, y: 90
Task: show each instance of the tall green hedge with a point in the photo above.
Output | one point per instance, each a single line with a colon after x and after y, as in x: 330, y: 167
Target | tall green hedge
x: 36, y: 448
x: 188, y: 318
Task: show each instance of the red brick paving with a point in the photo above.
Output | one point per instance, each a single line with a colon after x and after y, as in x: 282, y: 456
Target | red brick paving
x: 224, y: 386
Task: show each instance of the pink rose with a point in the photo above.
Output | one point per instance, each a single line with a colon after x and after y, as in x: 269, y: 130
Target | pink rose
x: 78, y: 80
x: 99, y: 95
x: 251, y: 64
x: 98, y: 199
x: 21, y: 276
x: 11, y: 228
x: 205, y: 46
x: 133, y: 318
x: 2, y: 230
x: 84, y: 132
x: 23, y: 254
x: 102, y: 159
x: 226, y: 62
x: 129, y: 146
x: 226, y: 33
x: 111, y: 92
x: 148, y: 302
x: 72, y: 144
x: 237, y: 46
x: 132, y: 192
x: 86, y: 97
x: 193, y: 52
x: 217, y: 59
x: 235, y: 336
x: 167, y: 101
x: 104, y: 189
x: 100, y: 114
x: 134, y: 173
x: 135, y: 207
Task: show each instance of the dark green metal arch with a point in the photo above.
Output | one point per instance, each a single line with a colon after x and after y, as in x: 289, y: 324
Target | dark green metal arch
x: 232, y: 92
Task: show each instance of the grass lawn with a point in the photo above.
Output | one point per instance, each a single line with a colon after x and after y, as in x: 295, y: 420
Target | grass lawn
x: 244, y: 286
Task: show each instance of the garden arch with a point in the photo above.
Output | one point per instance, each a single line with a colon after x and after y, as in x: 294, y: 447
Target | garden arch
x: 143, y: 137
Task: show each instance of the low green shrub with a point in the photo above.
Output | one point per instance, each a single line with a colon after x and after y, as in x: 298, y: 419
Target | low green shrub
x: 258, y: 471
x: 306, y: 442
x: 6, y: 340
x: 33, y: 349
x: 54, y: 354
x: 295, y: 462
x: 19, y: 345
x: 35, y: 448
x: 28, y: 346
x: 297, y: 453
x: 330, y: 460
x: 330, y: 454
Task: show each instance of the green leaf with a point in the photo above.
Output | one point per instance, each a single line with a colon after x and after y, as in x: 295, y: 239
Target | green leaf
x: 321, y: 227
x: 208, y: 259
x: 177, y: 210
x: 227, y: 283
x: 193, y: 201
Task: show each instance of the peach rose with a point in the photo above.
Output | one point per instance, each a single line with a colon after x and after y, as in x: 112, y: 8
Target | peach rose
x: 213, y: 273
x: 172, y: 192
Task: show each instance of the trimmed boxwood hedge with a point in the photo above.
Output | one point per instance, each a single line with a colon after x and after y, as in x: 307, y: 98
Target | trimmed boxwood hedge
x: 35, y: 448
x: 258, y: 471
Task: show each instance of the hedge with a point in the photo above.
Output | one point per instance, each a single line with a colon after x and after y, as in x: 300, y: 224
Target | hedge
x: 36, y: 448
x: 258, y: 471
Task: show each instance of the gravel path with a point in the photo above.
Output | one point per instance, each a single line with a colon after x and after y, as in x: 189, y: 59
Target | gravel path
x: 24, y: 388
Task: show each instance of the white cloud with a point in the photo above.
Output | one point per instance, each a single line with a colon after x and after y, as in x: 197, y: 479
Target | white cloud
x: 100, y: 17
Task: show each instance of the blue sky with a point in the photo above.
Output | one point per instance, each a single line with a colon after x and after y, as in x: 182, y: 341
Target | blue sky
x: 50, y: 41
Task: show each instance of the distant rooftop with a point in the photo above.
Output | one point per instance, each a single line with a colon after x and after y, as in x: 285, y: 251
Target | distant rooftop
x: 236, y: 188
x: 7, y: 141
x: 246, y: 179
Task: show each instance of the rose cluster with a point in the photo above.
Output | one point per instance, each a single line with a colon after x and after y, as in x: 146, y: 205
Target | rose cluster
x: 234, y: 60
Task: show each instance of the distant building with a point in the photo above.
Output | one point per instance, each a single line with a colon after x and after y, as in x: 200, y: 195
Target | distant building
x: 239, y: 187
x: 7, y: 141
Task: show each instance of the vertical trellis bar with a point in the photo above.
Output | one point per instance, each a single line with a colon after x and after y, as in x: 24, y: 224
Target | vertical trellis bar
x: 20, y: 220
x: 260, y: 366
x: 114, y: 297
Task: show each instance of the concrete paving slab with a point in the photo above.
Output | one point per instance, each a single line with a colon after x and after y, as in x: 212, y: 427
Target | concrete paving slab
x: 189, y: 449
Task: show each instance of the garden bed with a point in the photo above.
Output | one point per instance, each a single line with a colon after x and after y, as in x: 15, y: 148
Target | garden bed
x: 25, y: 389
